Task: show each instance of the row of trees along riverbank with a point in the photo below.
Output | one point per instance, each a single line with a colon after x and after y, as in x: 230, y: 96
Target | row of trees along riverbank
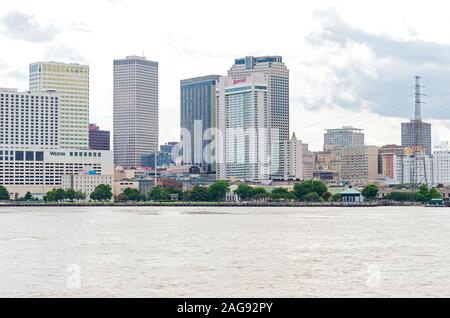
x: 308, y: 191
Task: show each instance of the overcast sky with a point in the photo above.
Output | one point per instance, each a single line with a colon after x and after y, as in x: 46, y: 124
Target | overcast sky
x: 351, y: 62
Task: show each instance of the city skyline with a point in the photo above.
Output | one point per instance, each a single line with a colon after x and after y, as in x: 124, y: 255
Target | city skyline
x: 347, y: 54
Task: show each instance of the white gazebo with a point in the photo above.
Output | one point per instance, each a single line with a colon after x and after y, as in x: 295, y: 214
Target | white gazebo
x: 352, y: 196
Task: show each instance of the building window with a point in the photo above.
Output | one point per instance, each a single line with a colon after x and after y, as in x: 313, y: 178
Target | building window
x: 19, y: 155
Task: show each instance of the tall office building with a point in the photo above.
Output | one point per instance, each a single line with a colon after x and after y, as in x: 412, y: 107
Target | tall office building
x: 417, y: 133
x: 135, y: 109
x: 343, y: 137
x: 277, y: 77
x: 99, y: 139
x: 71, y: 82
x: 198, y: 118
x: 242, y: 141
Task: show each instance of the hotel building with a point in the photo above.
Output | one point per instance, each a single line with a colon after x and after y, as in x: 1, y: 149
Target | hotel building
x: 31, y: 159
x: 29, y: 120
x: 38, y: 172
x: 71, y: 83
x: 276, y: 75
x: 242, y: 141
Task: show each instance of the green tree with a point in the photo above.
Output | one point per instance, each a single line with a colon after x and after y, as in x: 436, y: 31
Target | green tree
x: 158, y: 194
x: 80, y: 196
x: 307, y: 187
x: 434, y: 194
x: 132, y: 194
x: 28, y: 197
x: 327, y: 196
x: 50, y: 196
x: 198, y: 194
x: 336, y: 197
x: 59, y: 195
x: 279, y: 194
x: 312, y: 197
x: 70, y: 194
x: 370, y: 192
x: 423, y: 195
x: 259, y: 193
x: 401, y: 196
x: 102, y: 192
x: 218, y: 190
x: 244, y: 192
x: 4, y: 194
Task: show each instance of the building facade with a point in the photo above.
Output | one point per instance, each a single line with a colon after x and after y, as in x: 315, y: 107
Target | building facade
x: 327, y: 165
x: 415, y: 169
x: 417, y: 133
x: 343, y: 137
x: 29, y: 120
x: 39, y: 171
x: 99, y: 139
x: 242, y: 142
x: 71, y: 83
x: 441, y: 167
x: 359, y: 165
x: 388, y: 160
x: 293, y: 166
x: 198, y: 119
x: 276, y: 75
x: 86, y: 182
x: 135, y: 109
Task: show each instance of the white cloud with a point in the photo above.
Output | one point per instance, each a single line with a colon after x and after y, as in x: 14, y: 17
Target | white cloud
x: 348, y: 67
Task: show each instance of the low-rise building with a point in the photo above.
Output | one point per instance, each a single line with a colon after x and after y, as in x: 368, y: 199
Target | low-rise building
x: 86, y: 183
x: 352, y: 196
x: 121, y: 185
x: 39, y: 171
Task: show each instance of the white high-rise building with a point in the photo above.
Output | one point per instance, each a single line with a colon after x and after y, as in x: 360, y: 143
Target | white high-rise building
x: 277, y: 77
x: 29, y: 120
x: 71, y: 83
x: 418, y: 171
x: 441, y: 166
x: 299, y: 163
x: 242, y: 141
x: 135, y: 110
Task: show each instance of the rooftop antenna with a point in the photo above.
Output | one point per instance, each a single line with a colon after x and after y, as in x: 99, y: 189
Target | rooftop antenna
x: 419, y: 161
x: 418, y: 108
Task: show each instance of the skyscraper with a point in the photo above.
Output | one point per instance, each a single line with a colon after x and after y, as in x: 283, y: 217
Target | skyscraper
x: 242, y: 145
x: 417, y: 133
x: 198, y: 117
x: 71, y: 82
x: 277, y: 77
x: 343, y: 137
x: 135, y: 109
